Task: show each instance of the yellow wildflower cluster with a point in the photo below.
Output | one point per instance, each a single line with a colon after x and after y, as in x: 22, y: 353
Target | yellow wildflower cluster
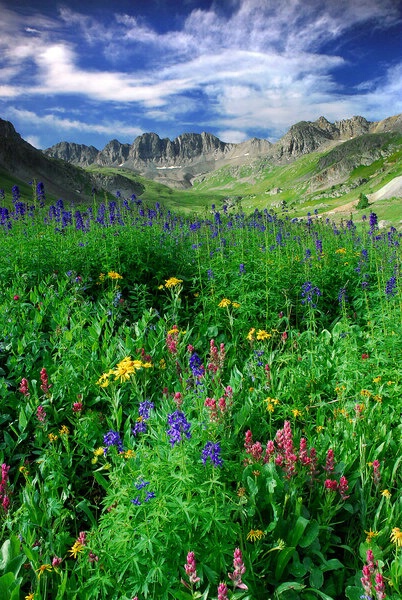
x: 377, y: 379
x: 396, y: 536
x: 271, y: 403
x: 52, y: 437
x: 340, y: 251
x: 370, y: 535
x: 224, y: 303
x: 172, y: 282
x: 123, y: 370
x: 114, y: 275
x: 98, y: 452
x: 64, y: 430
x: 76, y: 549
x: 386, y: 494
x: 254, y: 535
x: 261, y: 335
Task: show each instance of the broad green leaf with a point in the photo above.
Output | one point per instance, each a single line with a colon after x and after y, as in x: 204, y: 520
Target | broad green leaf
x: 289, y: 585
x: 283, y: 558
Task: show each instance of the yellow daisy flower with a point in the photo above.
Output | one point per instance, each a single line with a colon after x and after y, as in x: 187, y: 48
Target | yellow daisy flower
x: 254, y: 535
x: 396, y: 536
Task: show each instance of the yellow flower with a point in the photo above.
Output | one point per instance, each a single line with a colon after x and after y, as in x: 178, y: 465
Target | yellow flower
x: 173, y: 331
x: 377, y: 379
x: 101, y: 277
x: 236, y: 304
x: 126, y: 367
x: 99, y: 451
x: 296, y: 413
x: 255, y: 534
x: 396, y: 536
x: 129, y: 454
x: 224, y: 303
x: 370, y: 535
x: 365, y: 393
x: 390, y: 382
x: 24, y: 471
x: 52, y: 437
x: 340, y: 251
x: 162, y: 363
x: 172, y: 282
x: 30, y: 596
x: 386, y: 493
x: 43, y: 568
x: 64, y: 430
x: 241, y: 492
x: 114, y: 275
x: 147, y: 365
x: 319, y: 428
x: 377, y: 398
x: 270, y: 407
x: 76, y: 549
x: 263, y: 335
x: 103, y: 380
x: 250, y: 335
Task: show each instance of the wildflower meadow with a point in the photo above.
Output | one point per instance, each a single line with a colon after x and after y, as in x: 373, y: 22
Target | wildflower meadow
x: 195, y: 407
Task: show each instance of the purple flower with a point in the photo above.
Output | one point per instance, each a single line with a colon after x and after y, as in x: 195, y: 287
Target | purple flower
x: 308, y: 291
x: 141, y: 484
x: 373, y: 221
x: 136, y: 501
x: 139, y: 427
x: 242, y: 268
x: 196, y: 365
x: 390, y: 287
x: 148, y: 496
x: 179, y: 426
x: 112, y: 438
x: 144, y: 408
x: 342, y: 296
x: 212, y: 451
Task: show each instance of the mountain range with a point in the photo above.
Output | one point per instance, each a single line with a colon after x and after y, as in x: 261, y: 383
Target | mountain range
x: 203, y: 162
x: 178, y: 162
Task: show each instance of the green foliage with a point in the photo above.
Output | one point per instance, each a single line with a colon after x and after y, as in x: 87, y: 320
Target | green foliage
x: 277, y: 342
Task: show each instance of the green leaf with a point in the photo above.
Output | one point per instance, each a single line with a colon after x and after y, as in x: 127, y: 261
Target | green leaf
x: 320, y: 594
x: 311, y: 534
x: 332, y: 565
x: 316, y: 578
x: 289, y: 585
x: 283, y: 558
x: 298, y: 531
x: 353, y: 592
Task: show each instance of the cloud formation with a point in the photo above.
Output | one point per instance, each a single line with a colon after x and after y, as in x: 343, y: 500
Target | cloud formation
x: 241, y: 67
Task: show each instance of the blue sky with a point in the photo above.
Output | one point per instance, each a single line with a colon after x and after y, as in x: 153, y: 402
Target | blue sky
x: 88, y: 72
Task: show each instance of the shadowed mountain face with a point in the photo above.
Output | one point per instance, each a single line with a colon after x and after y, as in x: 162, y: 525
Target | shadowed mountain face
x: 61, y: 178
x: 177, y: 162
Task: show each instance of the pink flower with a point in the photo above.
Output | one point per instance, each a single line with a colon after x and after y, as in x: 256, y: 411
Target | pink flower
x: 376, y: 472
x: 45, y: 381
x: 56, y: 561
x: 239, y: 570
x: 77, y: 407
x: 190, y: 568
x: 222, y: 591
x: 40, y: 414
x: 331, y: 484
x: 24, y: 387
x: 379, y: 586
x: 343, y: 487
x: 329, y: 465
x: 16, y: 297
x: 365, y: 356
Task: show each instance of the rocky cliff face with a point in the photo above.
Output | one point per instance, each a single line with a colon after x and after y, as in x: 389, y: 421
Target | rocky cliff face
x: 176, y: 162
x: 60, y: 178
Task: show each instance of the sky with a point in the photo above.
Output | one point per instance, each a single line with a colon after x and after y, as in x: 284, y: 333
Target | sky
x: 96, y: 70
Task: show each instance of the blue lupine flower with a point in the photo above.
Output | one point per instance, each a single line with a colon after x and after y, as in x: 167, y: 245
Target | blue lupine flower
x: 242, y: 268
x: 196, y: 365
x: 373, y: 221
x: 141, y: 484
x: 148, y: 496
x: 112, y: 438
x: 342, y: 296
x: 308, y: 291
x: 139, y: 427
x: 144, y: 408
x: 136, y: 501
x: 390, y: 287
x: 212, y: 452
x: 179, y: 426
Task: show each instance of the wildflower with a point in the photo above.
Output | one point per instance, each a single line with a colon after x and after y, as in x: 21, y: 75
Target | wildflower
x: 125, y: 368
x: 196, y: 365
x: 114, y: 275
x: 250, y: 335
x: 76, y: 549
x: 64, y: 430
x: 43, y: 568
x: 24, y: 387
x: 172, y: 282
x: 376, y: 472
x: 379, y: 586
x: 77, y: 407
x: 52, y: 437
x: 212, y: 451
x: 40, y: 414
x: 343, y: 487
x: 149, y: 496
x: 103, y: 380
x: 24, y: 470
x: 239, y: 570
x: 263, y: 335
x: 396, y: 536
x: 390, y: 287
x: 112, y: 438
x: 144, y: 408
x: 190, y: 568
x: 224, y: 303
x: 331, y: 484
x: 329, y: 465
x: 377, y: 379
x: 386, y: 494
x: 30, y: 596
x: 92, y: 557
x: 56, y: 561
x: 139, y: 427
x: 45, y: 381
x: 241, y: 492
x: 129, y: 454
x: 4, y: 497
x: 236, y: 304
x: 365, y: 356
x: 370, y: 535
x: 308, y: 292
x: 141, y: 484
x: 136, y: 501
x: 254, y: 535
x: 296, y: 413
x: 222, y: 591
x: 178, y: 426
